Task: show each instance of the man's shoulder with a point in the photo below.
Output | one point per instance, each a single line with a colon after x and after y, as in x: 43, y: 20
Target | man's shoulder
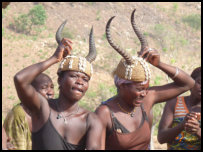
x: 18, y: 111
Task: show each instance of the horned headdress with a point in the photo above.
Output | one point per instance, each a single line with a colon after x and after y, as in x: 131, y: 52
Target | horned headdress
x: 74, y: 63
x: 131, y: 68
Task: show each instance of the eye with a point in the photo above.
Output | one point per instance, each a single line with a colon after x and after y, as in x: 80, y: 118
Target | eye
x: 44, y: 87
x: 73, y: 76
x: 127, y: 84
x: 86, y: 79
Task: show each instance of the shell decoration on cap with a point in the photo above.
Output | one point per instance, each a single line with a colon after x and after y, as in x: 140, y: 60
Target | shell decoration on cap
x: 74, y: 63
x: 133, y: 68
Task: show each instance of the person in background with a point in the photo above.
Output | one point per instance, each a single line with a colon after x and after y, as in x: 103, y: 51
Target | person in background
x: 180, y: 125
x: 18, y: 122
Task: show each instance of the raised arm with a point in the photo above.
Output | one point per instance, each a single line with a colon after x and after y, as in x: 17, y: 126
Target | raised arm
x: 182, y: 81
x: 26, y: 92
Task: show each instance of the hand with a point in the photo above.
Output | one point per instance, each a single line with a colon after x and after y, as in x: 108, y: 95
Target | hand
x: 151, y: 55
x: 9, y: 145
x: 63, y: 49
x: 191, y: 123
x: 190, y: 115
x: 67, y: 43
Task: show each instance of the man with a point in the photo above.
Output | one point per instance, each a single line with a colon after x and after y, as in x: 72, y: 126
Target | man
x: 18, y: 122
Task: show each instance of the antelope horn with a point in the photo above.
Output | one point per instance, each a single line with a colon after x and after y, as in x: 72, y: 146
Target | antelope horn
x: 92, y: 50
x: 123, y: 53
x: 142, y: 39
x: 58, y: 33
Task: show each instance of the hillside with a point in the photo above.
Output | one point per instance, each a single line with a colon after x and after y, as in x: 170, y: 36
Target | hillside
x: 162, y: 23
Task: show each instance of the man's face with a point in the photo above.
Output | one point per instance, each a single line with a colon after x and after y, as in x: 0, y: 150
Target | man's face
x: 74, y: 85
x: 196, y: 90
x: 46, y: 88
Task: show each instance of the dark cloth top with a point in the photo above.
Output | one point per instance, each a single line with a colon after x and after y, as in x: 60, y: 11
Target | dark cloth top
x: 125, y: 140
x: 47, y: 138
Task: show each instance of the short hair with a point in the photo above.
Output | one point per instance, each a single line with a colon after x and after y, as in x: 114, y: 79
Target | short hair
x: 38, y: 78
x: 196, y: 72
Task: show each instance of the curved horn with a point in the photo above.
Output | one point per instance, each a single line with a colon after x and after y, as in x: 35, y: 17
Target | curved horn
x: 123, y: 53
x: 92, y: 50
x: 142, y: 39
x: 58, y: 33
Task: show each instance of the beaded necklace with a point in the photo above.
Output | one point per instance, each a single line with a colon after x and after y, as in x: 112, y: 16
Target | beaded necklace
x: 129, y: 113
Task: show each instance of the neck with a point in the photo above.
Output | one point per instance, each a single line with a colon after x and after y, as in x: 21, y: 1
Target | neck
x: 193, y: 101
x: 66, y: 105
x: 124, y: 105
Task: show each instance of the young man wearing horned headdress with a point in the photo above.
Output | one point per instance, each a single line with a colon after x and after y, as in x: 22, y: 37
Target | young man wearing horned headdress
x: 126, y: 116
x: 61, y: 124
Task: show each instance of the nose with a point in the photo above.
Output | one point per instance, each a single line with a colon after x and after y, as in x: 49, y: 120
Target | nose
x: 143, y: 93
x: 79, y: 81
x: 50, y: 91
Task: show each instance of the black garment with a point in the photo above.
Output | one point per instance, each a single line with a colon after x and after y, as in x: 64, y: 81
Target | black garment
x: 47, y: 138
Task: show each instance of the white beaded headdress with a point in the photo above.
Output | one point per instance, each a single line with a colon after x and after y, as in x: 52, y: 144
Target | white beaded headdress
x: 130, y: 68
x: 74, y: 63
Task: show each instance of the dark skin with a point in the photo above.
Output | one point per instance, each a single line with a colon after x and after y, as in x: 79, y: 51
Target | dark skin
x: 73, y: 86
x: 44, y: 85
x: 130, y: 96
x: 190, y: 123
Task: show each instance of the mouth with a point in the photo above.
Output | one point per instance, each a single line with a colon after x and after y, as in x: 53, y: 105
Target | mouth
x: 140, y: 100
x: 49, y: 96
x: 77, y: 89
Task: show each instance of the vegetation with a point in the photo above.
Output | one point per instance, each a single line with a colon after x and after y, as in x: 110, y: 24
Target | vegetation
x: 28, y: 23
x: 193, y: 20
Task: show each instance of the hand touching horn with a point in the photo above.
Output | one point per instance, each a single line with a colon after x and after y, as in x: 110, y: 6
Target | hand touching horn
x: 67, y: 44
x: 62, y: 50
x: 151, y: 55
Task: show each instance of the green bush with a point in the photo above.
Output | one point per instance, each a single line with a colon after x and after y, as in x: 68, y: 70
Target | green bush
x: 193, y: 21
x: 27, y: 23
x: 37, y: 15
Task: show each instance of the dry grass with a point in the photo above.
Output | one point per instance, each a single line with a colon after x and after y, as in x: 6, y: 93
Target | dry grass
x: 178, y: 44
